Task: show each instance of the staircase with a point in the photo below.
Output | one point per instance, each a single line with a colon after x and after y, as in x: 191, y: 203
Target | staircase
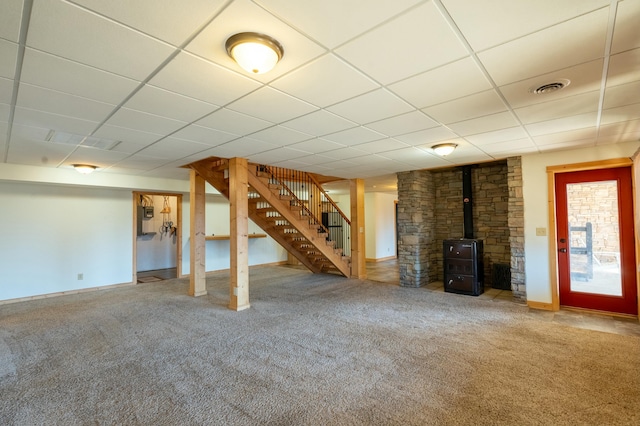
x: 293, y: 209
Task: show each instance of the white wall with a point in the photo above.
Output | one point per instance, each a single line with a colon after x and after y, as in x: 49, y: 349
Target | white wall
x: 534, y: 176
x: 261, y: 250
x: 83, y: 224
x: 380, y: 217
x: 52, y: 233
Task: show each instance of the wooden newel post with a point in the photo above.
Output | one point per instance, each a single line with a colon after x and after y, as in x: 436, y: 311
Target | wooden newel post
x: 239, y: 234
x: 358, y: 262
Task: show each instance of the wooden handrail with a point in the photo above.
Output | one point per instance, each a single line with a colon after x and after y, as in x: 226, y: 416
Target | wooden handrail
x: 335, y: 206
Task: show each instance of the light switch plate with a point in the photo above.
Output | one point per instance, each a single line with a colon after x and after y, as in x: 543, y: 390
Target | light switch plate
x: 541, y: 232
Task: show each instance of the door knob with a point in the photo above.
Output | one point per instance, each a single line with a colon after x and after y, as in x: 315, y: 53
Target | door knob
x: 562, y: 250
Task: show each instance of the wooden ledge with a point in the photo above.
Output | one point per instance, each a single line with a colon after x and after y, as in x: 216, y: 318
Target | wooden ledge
x: 226, y: 237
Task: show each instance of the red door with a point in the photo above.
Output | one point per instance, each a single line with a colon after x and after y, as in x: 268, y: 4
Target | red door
x: 596, y: 251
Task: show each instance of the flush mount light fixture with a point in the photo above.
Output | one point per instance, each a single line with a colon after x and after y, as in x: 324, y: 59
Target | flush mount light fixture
x: 85, y: 169
x: 256, y: 53
x: 444, y: 149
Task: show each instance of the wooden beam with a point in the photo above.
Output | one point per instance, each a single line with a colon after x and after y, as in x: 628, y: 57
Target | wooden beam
x: 358, y: 261
x: 197, y: 278
x: 239, y: 232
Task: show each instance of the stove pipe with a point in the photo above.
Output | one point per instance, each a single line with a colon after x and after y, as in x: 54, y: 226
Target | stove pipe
x: 467, y: 202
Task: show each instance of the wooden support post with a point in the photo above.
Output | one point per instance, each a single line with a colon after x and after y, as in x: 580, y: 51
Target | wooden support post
x: 358, y: 263
x: 197, y: 280
x: 239, y: 234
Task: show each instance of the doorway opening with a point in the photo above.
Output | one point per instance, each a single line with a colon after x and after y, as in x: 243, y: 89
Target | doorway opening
x: 595, y: 240
x: 157, y: 239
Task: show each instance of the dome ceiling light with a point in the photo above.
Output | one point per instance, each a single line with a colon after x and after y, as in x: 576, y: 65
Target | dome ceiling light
x: 85, y: 169
x: 444, y: 149
x: 255, y: 53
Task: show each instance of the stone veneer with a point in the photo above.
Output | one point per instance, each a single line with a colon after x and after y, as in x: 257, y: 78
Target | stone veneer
x: 516, y: 227
x: 430, y: 211
x: 415, y: 227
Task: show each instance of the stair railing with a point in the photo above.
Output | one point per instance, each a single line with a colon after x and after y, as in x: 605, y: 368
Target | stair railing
x: 314, y: 202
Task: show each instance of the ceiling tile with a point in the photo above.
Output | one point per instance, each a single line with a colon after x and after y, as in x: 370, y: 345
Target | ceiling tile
x: 563, y: 107
x: 620, y: 114
x: 6, y: 90
x: 271, y: 105
x: 388, y: 144
x: 373, y: 106
x: 161, y: 24
x: 404, y: 123
x: 66, y: 30
x: 448, y: 82
x: 137, y: 120
x: 48, y: 154
x: 277, y: 155
x: 74, y: 78
x: 472, y: 106
x: 436, y: 134
x: 333, y: 81
x: 618, y: 138
x: 615, y: 96
x: 233, y: 122
x: 199, y: 79
x: 510, y: 134
x: 501, y: 120
x: 387, y: 55
x: 244, y: 147
x: 566, y: 145
x: 333, y: 22
x: 415, y: 157
x: 76, y: 126
x: 168, y: 104
x: 344, y: 153
x: 10, y: 19
x: 585, y: 134
x: 8, y: 56
x: 141, y: 162
x: 583, y: 78
x: 132, y: 138
x: 565, y: 124
x: 508, y: 147
x: 625, y: 33
x: 320, y: 123
x: 170, y: 148
x: 4, y: 114
x: 280, y: 136
x: 620, y: 128
x: 54, y: 102
x: 623, y: 67
x: 97, y: 157
x: 204, y: 135
x: 316, y: 159
x: 246, y: 16
x: 316, y: 146
x: 355, y: 136
x: 581, y: 40
x: 489, y: 23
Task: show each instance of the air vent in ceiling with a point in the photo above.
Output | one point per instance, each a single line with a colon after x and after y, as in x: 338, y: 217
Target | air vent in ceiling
x: 78, y: 140
x: 551, y: 87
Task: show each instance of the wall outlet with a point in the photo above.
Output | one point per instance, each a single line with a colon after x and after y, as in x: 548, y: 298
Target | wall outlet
x: 80, y: 276
x: 541, y: 232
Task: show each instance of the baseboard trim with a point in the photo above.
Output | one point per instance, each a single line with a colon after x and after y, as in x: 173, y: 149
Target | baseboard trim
x: 214, y: 271
x: 596, y: 312
x: 540, y: 305
x: 64, y: 293
x: 380, y: 259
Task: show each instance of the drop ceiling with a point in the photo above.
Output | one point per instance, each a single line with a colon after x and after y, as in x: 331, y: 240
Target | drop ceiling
x: 364, y: 89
